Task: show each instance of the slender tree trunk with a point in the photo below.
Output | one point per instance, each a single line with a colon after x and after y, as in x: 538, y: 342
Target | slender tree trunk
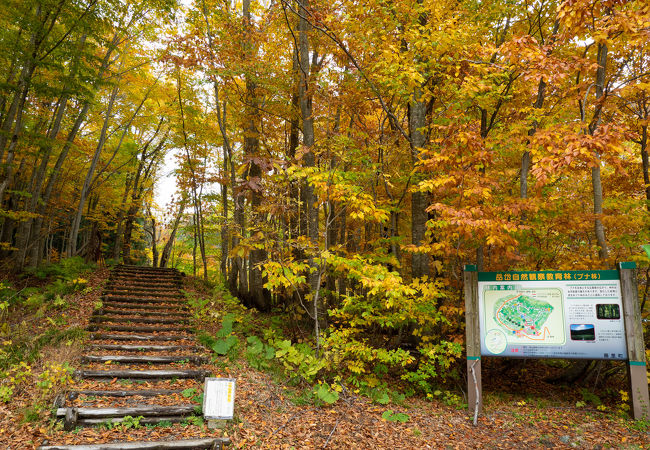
x: 419, y: 200
x: 154, y: 246
x: 538, y: 104
x: 596, y: 182
x: 167, y: 249
x: 223, y: 266
x: 259, y: 296
x: 645, y: 163
x: 85, y: 190
x: 309, y: 219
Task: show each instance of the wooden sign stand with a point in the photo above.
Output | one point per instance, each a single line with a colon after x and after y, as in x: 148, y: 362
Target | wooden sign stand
x: 473, y: 341
x: 636, y: 362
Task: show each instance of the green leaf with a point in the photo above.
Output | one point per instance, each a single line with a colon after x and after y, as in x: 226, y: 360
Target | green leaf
x: 392, y: 417
x: 382, y: 398
x: 326, y: 394
x: 269, y: 352
x: 222, y: 346
x: 189, y: 392
x: 226, y: 326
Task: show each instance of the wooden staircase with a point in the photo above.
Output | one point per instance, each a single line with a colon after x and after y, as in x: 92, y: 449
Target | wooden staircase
x: 143, y: 330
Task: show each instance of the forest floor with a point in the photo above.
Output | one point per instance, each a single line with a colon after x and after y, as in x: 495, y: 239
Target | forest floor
x: 520, y: 409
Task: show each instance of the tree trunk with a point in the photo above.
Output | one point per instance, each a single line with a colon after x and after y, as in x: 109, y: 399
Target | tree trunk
x: 646, y: 164
x: 167, y: 249
x: 596, y: 183
x: 259, y: 296
x: 419, y: 201
x: 154, y: 246
x: 309, y: 220
x: 76, y: 222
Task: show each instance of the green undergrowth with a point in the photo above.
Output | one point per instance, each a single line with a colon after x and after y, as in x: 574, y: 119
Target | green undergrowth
x: 321, y: 379
x: 35, y: 336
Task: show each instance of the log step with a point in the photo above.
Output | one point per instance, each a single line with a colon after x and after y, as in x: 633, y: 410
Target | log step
x: 144, y: 359
x: 135, y: 299
x: 135, y: 411
x: 184, y: 444
x: 136, y: 329
x: 142, y: 374
x: 142, y: 393
x: 136, y: 337
x: 143, y: 294
x: 142, y: 285
x: 145, y: 273
x: 146, y: 289
x: 135, y: 306
x: 142, y: 274
x: 144, y: 348
x: 129, y: 312
x: 120, y: 319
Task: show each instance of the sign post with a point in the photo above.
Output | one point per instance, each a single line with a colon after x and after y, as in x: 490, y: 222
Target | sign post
x: 473, y: 339
x: 636, y: 362
x: 588, y: 314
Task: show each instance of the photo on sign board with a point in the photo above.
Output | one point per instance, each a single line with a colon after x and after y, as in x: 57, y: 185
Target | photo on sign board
x: 582, y: 332
x: 608, y: 311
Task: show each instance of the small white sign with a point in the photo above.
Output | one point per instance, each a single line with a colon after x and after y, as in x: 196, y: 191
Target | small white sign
x: 219, y: 398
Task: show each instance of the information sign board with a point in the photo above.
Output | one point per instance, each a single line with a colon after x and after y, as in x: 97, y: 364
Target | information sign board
x: 553, y: 314
x: 219, y: 398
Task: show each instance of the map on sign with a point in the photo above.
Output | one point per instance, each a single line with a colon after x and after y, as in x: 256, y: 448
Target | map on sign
x: 525, y: 316
x: 522, y: 315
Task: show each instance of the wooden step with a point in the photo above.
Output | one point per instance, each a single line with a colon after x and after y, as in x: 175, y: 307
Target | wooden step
x: 128, y: 297
x: 144, y: 292
x: 126, y: 283
x: 135, y: 411
x: 144, y: 359
x: 129, y: 312
x: 136, y: 337
x: 183, y: 444
x: 136, y: 329
x: 142, y: 374
x: 121, y: 319
x: 144, y: 348
x: 147, y: 274
x: 141, y: 393
x: 148, y: 307
x: 141, y: 288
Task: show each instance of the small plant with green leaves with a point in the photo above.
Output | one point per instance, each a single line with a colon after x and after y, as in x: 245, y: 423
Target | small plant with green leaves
x: 130, y: 422
x: 161, y: 424
x: 298, y: 360
x: 14, y: 379
x: 450, y: 398
x: 107, y: 425
x: 193, y: 420
x: 54, y: 378
x: 193, y: 395
x: 391, y: 416
x: 258, y: 353
x: 326, y: 393
x: 224, y: 340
